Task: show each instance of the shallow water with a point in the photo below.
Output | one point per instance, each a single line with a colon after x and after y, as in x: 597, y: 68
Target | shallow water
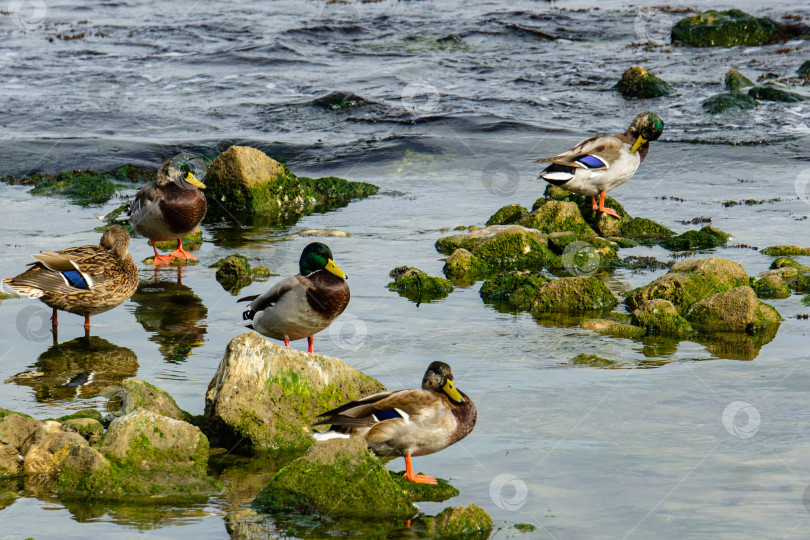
x: 600, y: 452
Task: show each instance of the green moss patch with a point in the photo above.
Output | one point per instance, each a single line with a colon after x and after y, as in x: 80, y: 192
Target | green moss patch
x: 785, y: 251
x: 507, y: 215
x: 707, y: 237
x: 418, y: 286
x: 728, y: 102
x: 637, y: 82
x: 591, y: 360
x: 515, y: 289
x: 736, y: 81
x: 234, y: 272
x: 714, y: 28
x: 416, y: 492
x: 771, y: 93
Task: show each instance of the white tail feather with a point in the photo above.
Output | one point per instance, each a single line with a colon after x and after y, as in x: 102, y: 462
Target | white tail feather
x: 559, y: 176
x: 326, y: 435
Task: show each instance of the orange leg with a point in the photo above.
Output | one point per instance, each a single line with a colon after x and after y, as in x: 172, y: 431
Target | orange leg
x: 181, y: 253
x: 603, y: 209
x: 54, y: 322
x: 286, y: 341
x: 161, y: 260
x: 418, y: 478
x: 593, y: 203
x: 311, y: 342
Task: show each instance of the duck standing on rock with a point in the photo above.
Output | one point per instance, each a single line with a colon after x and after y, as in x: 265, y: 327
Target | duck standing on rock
x: 603, y: 162
x: 407, y: 422
x: 169, y: 208
x: 300, y: 306
x: 85, y: 280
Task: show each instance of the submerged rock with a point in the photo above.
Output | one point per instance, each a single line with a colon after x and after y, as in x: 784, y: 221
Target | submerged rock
x: 516, y: 289
x: 418, y: 286
x: 782, y: 251
x: 659, y: 317
x: 736, y: 81
x: 466, y: 522
x: 771, y: 285
x: 265, y: 397
x: 504, y: 247
x: 714, y: 28
x: 10, y: 461
x: 771, y: 93
x: 729, y: 101
x: 734, y: 310
x: 584, y: 359
x: 573, y: 294
x: 338, y: 478
x: 464, y: 265
x: 244, y: 179
x: 804, y: 69
x: 191, y: 242
x: 690, y: 281
x: 707, y: 237
x: 234, y: 272
x: 787, y: 262
x: 637, y: 82
x: 507, y: 215
x: 614, y: 328
x: 338, y: 101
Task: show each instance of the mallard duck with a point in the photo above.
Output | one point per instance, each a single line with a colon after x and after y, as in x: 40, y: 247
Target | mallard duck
x: 300, y: 306
x: 85, y: 280
x: 407, y: 422
x: 169, y: 208
x: 603, y: 162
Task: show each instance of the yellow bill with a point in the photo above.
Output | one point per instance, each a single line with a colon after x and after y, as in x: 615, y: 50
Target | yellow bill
x: 333, y: 268
x: 638, y: 144
x: 194, y: 182
x: 450, y: 389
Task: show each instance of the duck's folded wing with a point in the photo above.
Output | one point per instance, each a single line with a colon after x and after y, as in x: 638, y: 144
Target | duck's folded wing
x: 146, y: 195
x: 260, y: 302
x: 596, y: 153
x: 380, y: 407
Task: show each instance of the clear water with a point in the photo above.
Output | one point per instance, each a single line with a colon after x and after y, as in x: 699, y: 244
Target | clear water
x: 603, y: 453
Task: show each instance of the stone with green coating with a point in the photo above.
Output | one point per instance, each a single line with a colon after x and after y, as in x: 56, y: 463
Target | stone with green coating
x: 191, y: 242
x: 504, y: 247
x: 800, y: 284
x: 690, y: 281
x: 785, y: 251
x: 234, y: 273
x: 787, y: 262
x: 573, y: 294
x: 463, y: 264
x: 416, y: 492
x: 418, y: 286
x: 516, y: 289
x: 771, y: 286
x: 644, y: 230
x: 728, y: 102
x: 613, y: 328
x: 10, y: 463
x: 507, y: 215
x: 288, y: 391
x: 736, y: 81
x: 137, y: 394
x: 707, y: 237
x: 337, y: 479
x: 584, y: 359
x: 771, y: 93
x: 637, y: 82
x: 16, y: 428
x: 84, y: 413
x: 736, y: 310
x: 659, y: 317
x: 459, y: 523
x: 804, y: 69
x: 89, y: 428
x: 714, y: 28
x: 559, y: 216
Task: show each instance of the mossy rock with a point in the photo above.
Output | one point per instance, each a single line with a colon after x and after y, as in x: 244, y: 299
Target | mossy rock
x: 458, y: 523
x: 659, y: 317
x: 463, y: 264
x: 714, y: 28
x: 785, y: 251
x: 645, y: 231
x: 559, y: 216
x: 800, y: 284
x: 516, y: 289
x: 707, y: 237
x: 736, y: 81
x: 136, y: 394
x: 504, y: 247
x: 234, y: 273
x: 89, y: 428
x: 84, y: 413
x: 441, y: 491
x: 339, y: 101
x: 787, y: 262
x: 637, y: 82
x: 416, y: 285
x: 728, y: 101
x: 573, y: 294
x: 337, y: 479
x: 591, y: 360
x: 690, y: 281
x: 614, y: 328
x: 507, y: 215
x: 771, y: 93
x: 804, y: 69
x: 191, y: 242
x: 524, y: 527
x: 735, y: 310
x: 82, y: 187
x: 770, y: 286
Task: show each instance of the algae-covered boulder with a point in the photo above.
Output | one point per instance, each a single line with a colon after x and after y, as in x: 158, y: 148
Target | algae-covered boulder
x: 787, y: 262
x: 10, y: 461
x: 772, y: 93
x: 659, y: 317
x: 233, y: 273
x: 690, y: 281
x: 91, y: 429
x: 785, y: 251
x: 340, y: 100
x: 418, y: 286
x: 463, y: 264
x: 707, y: 237
x: 728, y: 101
x: 736, y: 81
x: 265, y: 397
x: 244, y: 179
x: 643, y: 230
x: 507, y: 215
x: 800, y: 284
x: 573, y: 294
x: 338, y: 478
x: 614, y: 328
x: 637, y: 82
x: 504, y: 247
x: 49, y: 445
x: 559, y: 216
x: 714, y: 28
x: 16, y: 428
x: 771, y: 285
x: 515, y: 289
x: 585, y: 359
x: 459, y: 523
x: 136, y: 394
x: 734, y: 310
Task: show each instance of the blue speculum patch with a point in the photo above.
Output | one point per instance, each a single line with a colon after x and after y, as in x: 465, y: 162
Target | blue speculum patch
x: 387, y: 414
x: 76, y: 279
x: 592, y: 162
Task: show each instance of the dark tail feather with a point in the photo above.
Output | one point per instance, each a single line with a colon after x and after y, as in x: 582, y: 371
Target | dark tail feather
x: 248, y: 298
x: 248, y: 315
x: 250, y: 326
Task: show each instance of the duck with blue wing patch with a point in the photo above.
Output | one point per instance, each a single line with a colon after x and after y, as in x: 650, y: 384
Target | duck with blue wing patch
x: 85, y: 280
x: 407, y: 422
x: 601, y: 163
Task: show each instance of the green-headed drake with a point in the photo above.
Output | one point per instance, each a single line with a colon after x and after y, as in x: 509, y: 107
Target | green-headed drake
x: 169, y: 208
x: 603, y: 162
x: 85, y: 280
x: 300, y: 306
x: 407, y: 422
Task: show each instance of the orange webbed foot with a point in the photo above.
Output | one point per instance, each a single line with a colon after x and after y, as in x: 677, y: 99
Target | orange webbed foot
x: 610, y: 212
x: 420, y: 478
x: 181, y: 253
x: 163, y: 260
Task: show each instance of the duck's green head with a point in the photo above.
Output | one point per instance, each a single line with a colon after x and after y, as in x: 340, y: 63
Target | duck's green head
x: 439, y: 378
x: 183, y: 170
x: 646, y: 126
x: 317, y: 256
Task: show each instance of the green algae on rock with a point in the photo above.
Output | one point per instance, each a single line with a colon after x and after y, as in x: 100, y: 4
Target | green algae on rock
x: 504, y: 247
x: 292, y: 389
x: 614, y: 328
x: 135, y: 394
x: 515, y: 289
x: 235, y: 273
x: 507, y: 215
x: 637, y: 82
x: 463, y: 265
x: 573, y: 294
x: 584, y: 359
x: 728, y: 101
x: 770, y: 285
x: 771, y: 93
x: 787, y: 262
x: 244, y: 179
x: 707, y: 237
x: 191, y: 242
x: 736, y: 81
x: 91, y: 429
x: 714, y: 28
x: 338, y: 479
x: 559, y: 216
x: 659, y: 317
x: 416, y: 492
x: 339, y: 101
x: 418, y: 286
x: 458, y: 523
x: 785, y: 251
x: 735, y: 310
